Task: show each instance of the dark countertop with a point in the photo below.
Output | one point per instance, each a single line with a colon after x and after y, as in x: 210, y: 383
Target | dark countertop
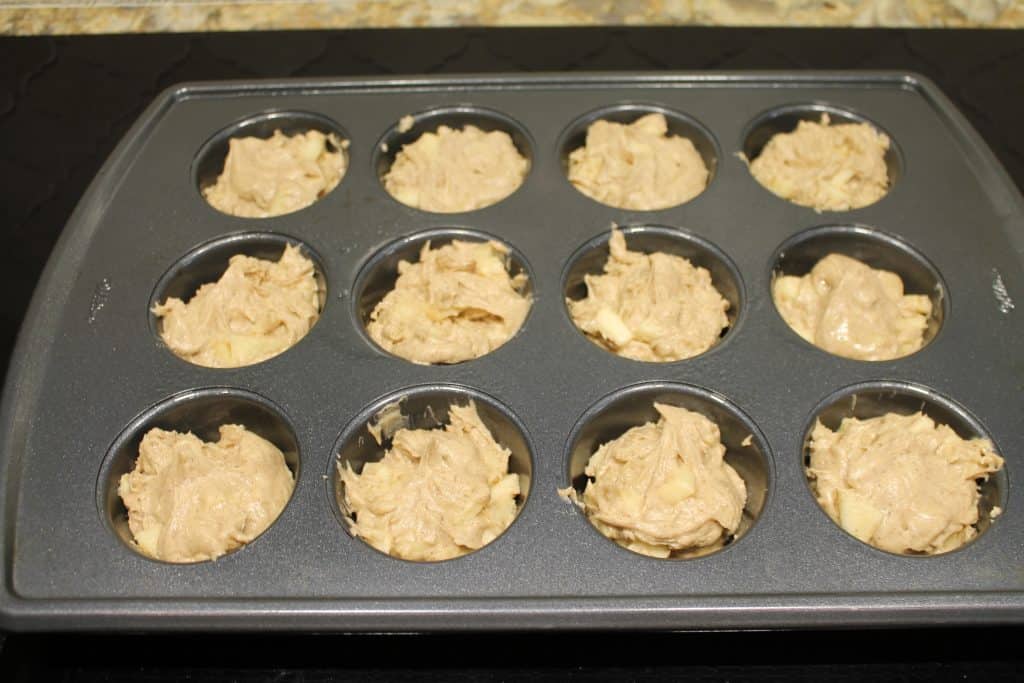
x: 64, y: 104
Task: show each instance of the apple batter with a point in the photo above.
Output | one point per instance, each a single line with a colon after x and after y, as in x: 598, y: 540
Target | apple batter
x: 457, y: 303
x: 850, y: 309
x: 637, y: 165
x: 826, y: 167
x: 901, y: 483
x: 650, y: 307
x: 266, y: 177
x: 664, y: 489
x: 189, y: 500
x: 255, y: 311
x: 456, y: 170
x: 437, y: 494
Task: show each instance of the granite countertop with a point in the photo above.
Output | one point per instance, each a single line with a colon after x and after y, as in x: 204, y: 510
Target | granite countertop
x: 47, y: 17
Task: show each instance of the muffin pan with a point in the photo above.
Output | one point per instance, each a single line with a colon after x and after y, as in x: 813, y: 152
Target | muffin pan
x: 90, y: 374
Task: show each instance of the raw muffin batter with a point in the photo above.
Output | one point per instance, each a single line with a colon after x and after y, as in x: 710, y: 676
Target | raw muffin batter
x: 652, y: 307
x: 638, y: 165
x: 825, y: 167
x: 456, y: 170
x: 275, y: 176
x: 457, y: 303
x: 255, y: 311
x: 189, y: 500
x: 436, y: 494
x: 901, y: 483
x: 664, y: 489
x: 853, y: 310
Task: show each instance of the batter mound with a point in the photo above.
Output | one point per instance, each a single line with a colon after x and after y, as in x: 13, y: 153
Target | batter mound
x: 456, y: 170
x: 638, y: 165
x: 436, y: 494
x: 255, y: 311
x: 266, y: 177
x: 901, y: 483
x: 825, y: 167
x: 457, y: 303
x: 189, y: 500
x: 664, y: 489
x: 651, y: 307
x: 853, y: 310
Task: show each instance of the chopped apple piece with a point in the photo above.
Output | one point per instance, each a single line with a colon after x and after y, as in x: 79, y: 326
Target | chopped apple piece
x: 489, y: 263
x: 680, y: 485
x: 507, y: 488
x: 281, y: 202
x: 858, y: 516
x: 434, y: 313
x: 787, y: 287
x: 250, y: 346
x: 312, y: 147
x: 612, y: 328
x: 406, y: 310
x: 147, y: 538
x: 650, y: 330
x: 409, y: 196
x: 649, y: 550
x: 784, y: 188
x: 631, y: 501
x: 841, y: 178
x: 222, y: 351
x: 373, y: 469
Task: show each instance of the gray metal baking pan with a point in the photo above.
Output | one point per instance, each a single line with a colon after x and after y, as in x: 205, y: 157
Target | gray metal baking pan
x: 90, y: 374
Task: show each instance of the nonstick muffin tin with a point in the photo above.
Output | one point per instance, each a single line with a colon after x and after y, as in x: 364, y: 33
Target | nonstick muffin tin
x: 90, y: 374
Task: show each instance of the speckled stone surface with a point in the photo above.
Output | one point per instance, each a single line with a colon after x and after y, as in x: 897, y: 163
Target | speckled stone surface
x: 44, y: 17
